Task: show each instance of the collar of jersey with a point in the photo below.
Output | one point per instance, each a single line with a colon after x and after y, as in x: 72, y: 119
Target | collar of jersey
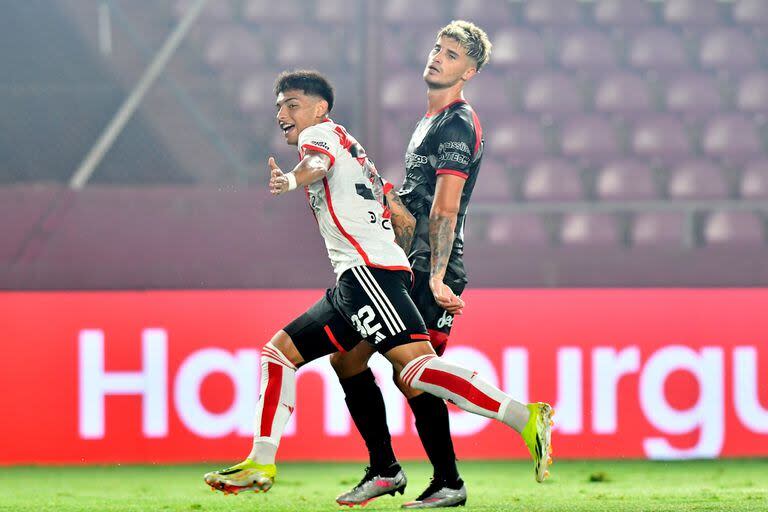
x: 445, y: 107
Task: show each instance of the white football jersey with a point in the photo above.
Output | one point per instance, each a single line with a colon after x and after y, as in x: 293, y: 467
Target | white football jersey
x: 349, y: 203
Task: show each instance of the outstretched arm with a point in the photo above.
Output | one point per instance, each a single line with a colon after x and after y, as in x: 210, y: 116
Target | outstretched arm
x: 313, y: 167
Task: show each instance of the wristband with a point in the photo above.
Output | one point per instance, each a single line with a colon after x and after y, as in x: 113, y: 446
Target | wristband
x: 291, y: 180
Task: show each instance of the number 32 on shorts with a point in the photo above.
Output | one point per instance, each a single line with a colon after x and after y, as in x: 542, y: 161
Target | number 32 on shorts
x: 363, y: 321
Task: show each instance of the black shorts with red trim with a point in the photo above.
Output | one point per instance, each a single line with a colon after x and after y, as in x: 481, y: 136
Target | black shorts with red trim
x: 438, y: 321
x: 367, y: 303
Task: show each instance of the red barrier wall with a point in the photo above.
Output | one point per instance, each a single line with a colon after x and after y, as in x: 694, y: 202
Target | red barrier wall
x: 172, y: 376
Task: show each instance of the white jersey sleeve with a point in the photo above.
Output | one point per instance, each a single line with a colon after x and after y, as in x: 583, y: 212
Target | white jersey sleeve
x: 321, y: 138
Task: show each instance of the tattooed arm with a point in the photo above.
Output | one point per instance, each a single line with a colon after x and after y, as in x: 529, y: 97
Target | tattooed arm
x: 442, y: 223
x: 403, y: 222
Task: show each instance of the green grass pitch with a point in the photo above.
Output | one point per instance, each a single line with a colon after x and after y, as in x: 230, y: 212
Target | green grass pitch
x: 593, y: 486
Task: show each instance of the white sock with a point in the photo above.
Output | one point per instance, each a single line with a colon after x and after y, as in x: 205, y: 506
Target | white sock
x: 465, y: 389
x: 276, y: 402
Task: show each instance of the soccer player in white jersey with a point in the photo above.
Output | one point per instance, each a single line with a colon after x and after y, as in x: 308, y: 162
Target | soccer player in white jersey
x: 370, y: 299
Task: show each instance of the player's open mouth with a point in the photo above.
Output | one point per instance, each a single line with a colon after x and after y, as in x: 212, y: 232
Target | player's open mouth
x: 286, y: 128
x: 433, y: 68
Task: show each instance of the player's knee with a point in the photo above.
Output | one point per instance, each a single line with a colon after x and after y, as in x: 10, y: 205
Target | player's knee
x: 338, y: 363
x: 283, y: 344
x: 407, y: 391
x: 346, y: 366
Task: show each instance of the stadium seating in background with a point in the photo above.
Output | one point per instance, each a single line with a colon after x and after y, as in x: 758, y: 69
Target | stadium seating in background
x: 727, y: 50
x: 658, y: 229
x: 694, y: 96
x: 751, y: 13
x: 696, y: 179
x: 519, y: 140
x: 625, y: 180
x: 623, y: 94
x: 734, y: 228
x: 256, y: 94
x: 235, y: 50
x: 732, y: 138
x: 658, y: 49
x: 622, y: 14
x: 552, y: 14
x: 552, y: 180
x: 752, y: 93
x: 403, y: 92
x: 553, y: 94
x: 394, y: 49
x: 491, y: 98
x: 494, y: 183
x: 516, y: 230
x: 429, y: 13
x: 692, y: 13
x: 590, y: 140
x: 214, y: 14
x: 589, y: 229
x: 587, y: 51
x: 268, y: 12
x: 320, y: 47
x: 519, y: 49
x: 336, y: 13
x: 483, y: 12
x: 754, y: 180
x: 612, y: 101
x: 661, y: 138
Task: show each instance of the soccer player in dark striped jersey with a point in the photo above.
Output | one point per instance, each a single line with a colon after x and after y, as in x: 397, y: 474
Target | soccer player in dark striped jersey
x: 442, y: 163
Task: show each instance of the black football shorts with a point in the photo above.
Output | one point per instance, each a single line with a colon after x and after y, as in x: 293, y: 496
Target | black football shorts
x: 367, y: 303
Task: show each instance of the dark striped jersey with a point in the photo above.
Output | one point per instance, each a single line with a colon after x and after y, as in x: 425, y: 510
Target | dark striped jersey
x: 449, y: 141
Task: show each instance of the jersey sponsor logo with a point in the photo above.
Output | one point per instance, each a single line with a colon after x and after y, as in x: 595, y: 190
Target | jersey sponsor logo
x: 445, y: 321
x: 320, y: 144
x: 414, y: 160
x: 386, y: 223
x: 452, y: 156
x: 454, y: 151
x: 455, y: 157
x: 456, y: 145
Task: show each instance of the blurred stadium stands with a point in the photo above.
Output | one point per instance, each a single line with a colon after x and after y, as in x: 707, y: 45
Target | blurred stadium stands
x: 625, y: 139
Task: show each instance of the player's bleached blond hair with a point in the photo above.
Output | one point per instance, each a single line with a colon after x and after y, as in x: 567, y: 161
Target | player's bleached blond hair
x: 472, y: 38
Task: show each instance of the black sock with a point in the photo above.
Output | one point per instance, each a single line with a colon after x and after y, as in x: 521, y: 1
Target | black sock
x: 431, y: 415
x: 366, y: 406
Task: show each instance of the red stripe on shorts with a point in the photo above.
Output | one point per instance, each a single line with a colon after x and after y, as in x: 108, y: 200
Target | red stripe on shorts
x: 333, y: 339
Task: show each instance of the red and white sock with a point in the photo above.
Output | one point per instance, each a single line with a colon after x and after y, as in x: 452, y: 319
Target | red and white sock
x: 275, y: 405
x: 465, y: 389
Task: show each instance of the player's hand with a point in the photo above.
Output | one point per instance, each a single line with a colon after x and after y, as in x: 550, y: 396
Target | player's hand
x: 278, y: 183
x: 445, y: 297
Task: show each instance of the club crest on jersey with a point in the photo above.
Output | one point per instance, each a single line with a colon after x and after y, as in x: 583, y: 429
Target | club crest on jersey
x: 445, y: 321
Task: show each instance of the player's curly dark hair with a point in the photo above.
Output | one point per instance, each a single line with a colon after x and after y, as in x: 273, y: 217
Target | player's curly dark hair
x: 309, y: 82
